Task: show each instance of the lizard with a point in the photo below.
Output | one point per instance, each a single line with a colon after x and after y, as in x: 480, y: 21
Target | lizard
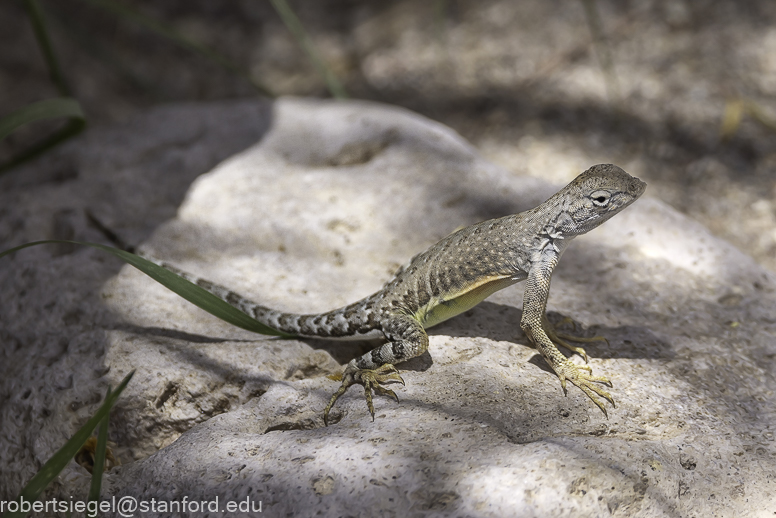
x: 458, y: 273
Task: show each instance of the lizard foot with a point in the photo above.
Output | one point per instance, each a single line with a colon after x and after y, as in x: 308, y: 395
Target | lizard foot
x: 371, y: 379
x: 560, y: 338
x: 586, y: 382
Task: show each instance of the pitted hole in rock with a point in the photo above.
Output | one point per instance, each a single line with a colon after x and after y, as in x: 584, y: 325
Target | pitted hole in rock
x: 304, y: 424
x: 169, y: 391
x: 359, y: 152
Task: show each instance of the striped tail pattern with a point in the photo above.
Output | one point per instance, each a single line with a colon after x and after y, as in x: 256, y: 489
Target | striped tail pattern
x: 356, y: 321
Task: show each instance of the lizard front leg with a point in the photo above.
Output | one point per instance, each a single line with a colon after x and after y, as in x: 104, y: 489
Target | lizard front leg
x: 406, y: 339
x: 537, y: 289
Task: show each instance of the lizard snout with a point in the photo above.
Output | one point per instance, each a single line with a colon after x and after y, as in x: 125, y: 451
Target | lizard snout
x: 637, y: 187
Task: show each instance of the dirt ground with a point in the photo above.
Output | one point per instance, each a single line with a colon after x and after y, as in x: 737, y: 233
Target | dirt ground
x: 679, y: 93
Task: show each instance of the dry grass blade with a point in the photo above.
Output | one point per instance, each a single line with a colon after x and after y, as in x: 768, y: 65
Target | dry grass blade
x: 63, y: 107
x: 48, y: 109
x: 188, y: 290
x: 297, y: 29
x: 99, y: 457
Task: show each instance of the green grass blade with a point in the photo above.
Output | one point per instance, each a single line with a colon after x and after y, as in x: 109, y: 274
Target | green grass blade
x: 297, y: 29
x: 41, y: 110
x: 99, y: 457
x: 188, y: 290
x: 47, y: 109
x: 41, y: 34
x: 61, y: 458
x: 73, y: 128
x: 165, y: 31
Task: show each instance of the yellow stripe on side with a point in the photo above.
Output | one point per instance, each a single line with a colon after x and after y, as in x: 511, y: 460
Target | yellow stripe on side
x: 449, y: 305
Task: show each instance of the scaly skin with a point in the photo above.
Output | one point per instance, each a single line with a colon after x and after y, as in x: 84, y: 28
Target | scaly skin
x: 457, y: 273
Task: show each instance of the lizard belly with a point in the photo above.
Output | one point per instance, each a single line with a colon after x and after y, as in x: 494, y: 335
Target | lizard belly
x: 451, y: 304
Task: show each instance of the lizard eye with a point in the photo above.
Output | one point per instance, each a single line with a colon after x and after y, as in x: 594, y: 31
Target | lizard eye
x: 600, y: 198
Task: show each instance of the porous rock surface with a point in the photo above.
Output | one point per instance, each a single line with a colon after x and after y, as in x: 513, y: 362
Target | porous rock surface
x: 312, y: 206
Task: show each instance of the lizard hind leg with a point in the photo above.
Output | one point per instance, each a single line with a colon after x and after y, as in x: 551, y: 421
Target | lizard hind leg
x: 560, y: 338
x: 407, y: 339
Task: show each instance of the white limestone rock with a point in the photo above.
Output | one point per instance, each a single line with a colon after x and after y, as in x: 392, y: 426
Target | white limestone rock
x: 331, y: 198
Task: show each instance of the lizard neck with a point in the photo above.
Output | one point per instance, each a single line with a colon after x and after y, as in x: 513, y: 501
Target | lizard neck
x: 553, y: 228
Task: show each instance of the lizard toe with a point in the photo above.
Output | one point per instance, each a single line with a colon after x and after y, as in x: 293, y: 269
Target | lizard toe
x: 582, y: 377
x: 372, y: 380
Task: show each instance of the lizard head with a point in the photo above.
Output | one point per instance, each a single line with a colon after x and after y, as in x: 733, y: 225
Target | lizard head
x: 596, y: 195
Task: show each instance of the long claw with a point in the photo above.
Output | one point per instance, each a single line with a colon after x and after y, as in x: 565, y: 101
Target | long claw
x: 591, y: 389
x: 343, y: 388
x: 380, y: 376
x: 568, y: 320
x: 386, y: 392
x: 392, y: 377
x: 558, y: 339
x: 581, y: 377
x: 368, y: 395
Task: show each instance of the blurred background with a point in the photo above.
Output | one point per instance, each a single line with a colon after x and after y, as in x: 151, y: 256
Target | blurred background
x: 679, y: 93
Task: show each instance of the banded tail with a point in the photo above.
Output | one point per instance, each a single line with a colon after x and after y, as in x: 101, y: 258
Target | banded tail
x: 355, y: 321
